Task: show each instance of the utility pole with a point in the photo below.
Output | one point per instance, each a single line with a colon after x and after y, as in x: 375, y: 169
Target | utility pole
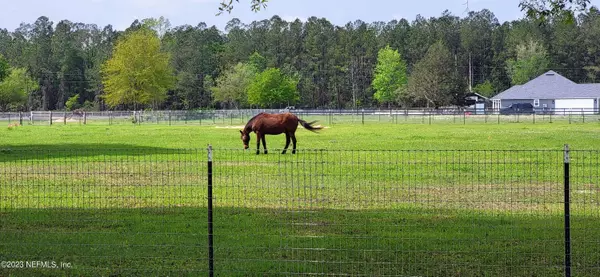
x: 470, y: 74
x: 353, y: 83
x: 470, y: 61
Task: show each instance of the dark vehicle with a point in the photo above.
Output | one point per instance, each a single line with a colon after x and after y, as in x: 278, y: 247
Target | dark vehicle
x: 518, y: 108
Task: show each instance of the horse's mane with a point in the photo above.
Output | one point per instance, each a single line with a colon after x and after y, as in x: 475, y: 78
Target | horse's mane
x: 249, y: 124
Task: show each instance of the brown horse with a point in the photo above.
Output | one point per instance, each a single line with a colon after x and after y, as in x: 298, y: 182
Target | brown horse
x: 274, y: 124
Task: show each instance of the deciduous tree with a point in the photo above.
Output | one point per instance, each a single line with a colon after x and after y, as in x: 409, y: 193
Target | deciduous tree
x: 257, y: 62
x: 486, y: 89
x: 232, y: 86
x: 4, y: 68
x: 435, y: 80
x: 255, y: 5
x: 15, y: 89
x: 390, y: 76
x: 544, y: 9
x: 139, y: 72
x: 271, y: 88
x: 531, y: 61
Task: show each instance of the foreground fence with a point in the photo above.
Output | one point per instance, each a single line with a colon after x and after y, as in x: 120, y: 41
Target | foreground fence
x: 240, y: 117
x: 158, y: 211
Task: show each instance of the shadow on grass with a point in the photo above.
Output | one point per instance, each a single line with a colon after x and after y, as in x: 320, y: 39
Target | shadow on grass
x: 283, y: 242
x: 10, y: 153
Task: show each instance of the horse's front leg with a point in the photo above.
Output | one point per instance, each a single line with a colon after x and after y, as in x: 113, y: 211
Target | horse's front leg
x: 258, y: 137
x: 264, y: 142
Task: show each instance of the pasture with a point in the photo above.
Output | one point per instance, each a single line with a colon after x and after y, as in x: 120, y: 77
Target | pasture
x: 379, y: 136
x: 361, y: 200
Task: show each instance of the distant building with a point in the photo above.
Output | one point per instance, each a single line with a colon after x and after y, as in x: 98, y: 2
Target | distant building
x: 552, y: 92
x: 477, y: 102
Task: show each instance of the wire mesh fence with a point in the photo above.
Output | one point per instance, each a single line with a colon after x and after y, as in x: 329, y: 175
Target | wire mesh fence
x: 240, y: 117
x: 119, y: 212
x: 145, y: 212
x: 585, y: 210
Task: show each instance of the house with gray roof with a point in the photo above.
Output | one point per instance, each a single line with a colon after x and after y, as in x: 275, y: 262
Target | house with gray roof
x: 552, y: 92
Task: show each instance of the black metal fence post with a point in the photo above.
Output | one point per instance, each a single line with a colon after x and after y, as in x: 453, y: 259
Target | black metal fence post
x: 567, y: 214
x: 210, y: 215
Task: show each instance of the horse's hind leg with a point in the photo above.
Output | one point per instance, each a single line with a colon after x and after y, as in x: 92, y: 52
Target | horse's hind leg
x: 287, y: 143
x: 294, y: 142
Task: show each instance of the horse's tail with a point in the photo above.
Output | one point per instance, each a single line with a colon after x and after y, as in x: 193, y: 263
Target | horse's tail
x: 308, y: 125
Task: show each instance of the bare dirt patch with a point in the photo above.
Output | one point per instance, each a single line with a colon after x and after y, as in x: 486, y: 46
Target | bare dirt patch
x: 68, y: 120
x: 229, y: 127
x: 241, y: 127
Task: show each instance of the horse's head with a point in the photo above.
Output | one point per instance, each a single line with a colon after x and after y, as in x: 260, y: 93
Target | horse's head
x: 245, y: 139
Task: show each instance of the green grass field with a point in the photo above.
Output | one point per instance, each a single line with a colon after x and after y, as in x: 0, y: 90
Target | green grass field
x: 338, y: 136
x: 357, y: 200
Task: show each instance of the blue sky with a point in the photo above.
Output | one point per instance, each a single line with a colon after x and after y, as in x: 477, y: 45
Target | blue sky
x: 120, y: 13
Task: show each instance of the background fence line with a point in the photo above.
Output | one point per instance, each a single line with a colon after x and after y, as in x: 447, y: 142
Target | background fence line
x: 237, y: 117
x: 320, y: 212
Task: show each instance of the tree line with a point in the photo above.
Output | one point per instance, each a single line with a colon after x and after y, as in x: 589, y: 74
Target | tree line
x: 273, y: 63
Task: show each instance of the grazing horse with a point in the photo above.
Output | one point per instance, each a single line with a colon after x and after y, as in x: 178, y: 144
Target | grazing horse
x: 274, y: 124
